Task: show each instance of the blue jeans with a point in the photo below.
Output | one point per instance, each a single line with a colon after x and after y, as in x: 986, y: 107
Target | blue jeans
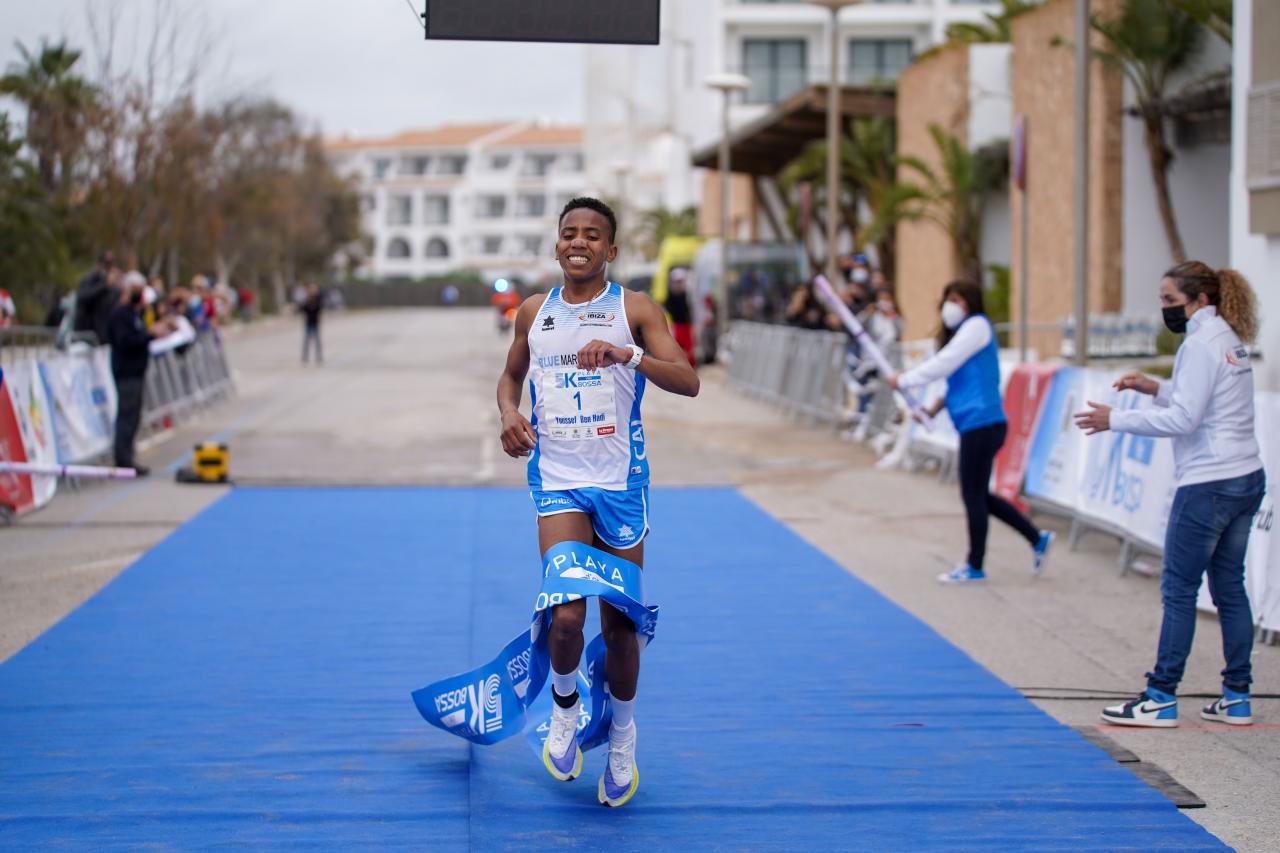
x: 1208, y: 531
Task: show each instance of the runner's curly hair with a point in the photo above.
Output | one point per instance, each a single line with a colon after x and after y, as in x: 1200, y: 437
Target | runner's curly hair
x: 599, y: 207
x: 1226, y: 289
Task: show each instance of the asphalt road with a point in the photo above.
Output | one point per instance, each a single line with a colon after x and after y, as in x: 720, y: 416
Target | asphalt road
x: 406, y: 397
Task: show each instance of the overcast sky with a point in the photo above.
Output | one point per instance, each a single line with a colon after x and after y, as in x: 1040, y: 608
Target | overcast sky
x: 355, y: 66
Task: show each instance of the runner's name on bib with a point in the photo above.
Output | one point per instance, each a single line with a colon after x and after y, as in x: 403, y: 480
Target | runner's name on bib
x: 578, y: 405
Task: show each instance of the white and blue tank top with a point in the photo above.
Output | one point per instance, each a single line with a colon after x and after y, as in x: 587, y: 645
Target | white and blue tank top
x: 587, y: 422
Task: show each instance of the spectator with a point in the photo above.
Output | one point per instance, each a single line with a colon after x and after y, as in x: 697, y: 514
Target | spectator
x: 152, y: 299
x: 883, y: 322
x: 8, y: 311
x: 96, y: 297
x: 677, y: 306
x: 311, y: 308
x: 59, y: 305
x: 860, y: 271
x: 246, y: 303
x: 967, y: 359
x: 130, y: 341
x: 804, y: 309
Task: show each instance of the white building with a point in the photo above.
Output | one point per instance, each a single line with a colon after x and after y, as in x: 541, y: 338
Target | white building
x: 483, y: 197
x: 649, y: 107
x: 1255, y: 170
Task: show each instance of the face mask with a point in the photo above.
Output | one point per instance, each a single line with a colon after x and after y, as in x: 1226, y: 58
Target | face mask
x: 885, y: 307
x: 1175, y: 318
x: 135, y: 298
x: 860, y: 275
x: 953, y: 315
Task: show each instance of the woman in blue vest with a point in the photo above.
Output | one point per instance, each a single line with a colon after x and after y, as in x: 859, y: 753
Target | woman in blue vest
x: 967, y: 360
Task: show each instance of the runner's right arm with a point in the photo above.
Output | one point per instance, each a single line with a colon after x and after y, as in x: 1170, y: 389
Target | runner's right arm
x: 517, y: 433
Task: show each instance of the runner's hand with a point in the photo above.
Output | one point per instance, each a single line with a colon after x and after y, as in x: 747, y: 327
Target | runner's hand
x: 1138, y: 382
x: 517, y: 435
x: 599, y: 354
x: 1097, y: 419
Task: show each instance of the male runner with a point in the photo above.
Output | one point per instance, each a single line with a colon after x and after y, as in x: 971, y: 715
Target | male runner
x: 588, y: 348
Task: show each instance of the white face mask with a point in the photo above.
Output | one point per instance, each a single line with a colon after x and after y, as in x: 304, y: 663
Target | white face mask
x: 953, y: 315
x: 860, y: 275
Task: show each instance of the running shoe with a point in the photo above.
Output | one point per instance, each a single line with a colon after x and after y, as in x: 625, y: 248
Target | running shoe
x: 1040, y: 550
x: 560, y: 751
x: 1152, y: 709
x: 963, y: 573
x: 1232, y: 708
x: 621, y: 777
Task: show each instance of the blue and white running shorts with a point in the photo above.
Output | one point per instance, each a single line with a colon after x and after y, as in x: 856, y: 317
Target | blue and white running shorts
x: 620, y: 518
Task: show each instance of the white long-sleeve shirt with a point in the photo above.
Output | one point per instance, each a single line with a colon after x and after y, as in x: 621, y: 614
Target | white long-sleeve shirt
x: 967, y: 342
x: 1206, y: 408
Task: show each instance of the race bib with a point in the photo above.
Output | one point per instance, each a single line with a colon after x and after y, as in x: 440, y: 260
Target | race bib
x: 578, y: 405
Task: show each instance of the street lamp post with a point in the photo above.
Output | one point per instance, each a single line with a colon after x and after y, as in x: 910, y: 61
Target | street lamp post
x: 726, y: 84
x: 1081, y: 343
x: 833, y: 132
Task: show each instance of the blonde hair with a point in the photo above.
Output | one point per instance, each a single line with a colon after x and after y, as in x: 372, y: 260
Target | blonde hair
x: 1226, y: 289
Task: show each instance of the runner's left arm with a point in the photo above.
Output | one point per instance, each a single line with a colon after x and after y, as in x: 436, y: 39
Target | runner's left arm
x: 664, y: 363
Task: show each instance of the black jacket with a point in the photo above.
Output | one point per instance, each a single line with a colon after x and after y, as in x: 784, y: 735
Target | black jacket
x: 130, y: 343
x: 95, y: 299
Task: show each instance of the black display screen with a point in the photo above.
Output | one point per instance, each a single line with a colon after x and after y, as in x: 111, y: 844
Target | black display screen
x: 593, y: 21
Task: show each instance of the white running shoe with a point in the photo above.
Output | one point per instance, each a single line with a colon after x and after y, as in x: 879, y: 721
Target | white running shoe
x: 1152, y: 709
x: 560, y: 751
x: 621, y: 777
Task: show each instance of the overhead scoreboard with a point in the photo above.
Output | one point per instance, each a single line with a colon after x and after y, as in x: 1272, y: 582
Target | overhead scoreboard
x: 585, y: 21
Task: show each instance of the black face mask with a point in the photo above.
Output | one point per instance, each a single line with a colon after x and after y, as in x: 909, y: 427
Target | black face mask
x: 1175, y: 318
x: 135, y: 298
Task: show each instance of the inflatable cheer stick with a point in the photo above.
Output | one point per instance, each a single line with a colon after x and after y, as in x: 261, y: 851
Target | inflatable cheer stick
x: 866, y: 342
x: 87, y: 472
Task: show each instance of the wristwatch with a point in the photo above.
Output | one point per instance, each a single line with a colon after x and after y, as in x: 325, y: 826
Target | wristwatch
x: 636, y: 354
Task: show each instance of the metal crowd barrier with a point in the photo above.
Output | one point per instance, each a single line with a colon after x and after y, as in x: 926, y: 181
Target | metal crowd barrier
x: 183, y: 382
x: 27, y: 343
x: 797, y: 369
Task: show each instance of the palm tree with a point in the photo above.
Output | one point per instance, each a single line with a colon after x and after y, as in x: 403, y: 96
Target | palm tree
x: 1214, y: 14
x: 1149, y: 41
x: 998, y: 27
x: 659, y: 223
x: 867, y: 172
x: 57, y: 102
x: 951, y: 196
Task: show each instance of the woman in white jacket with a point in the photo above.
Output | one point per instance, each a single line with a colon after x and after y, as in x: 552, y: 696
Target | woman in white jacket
x: 1207, y: 409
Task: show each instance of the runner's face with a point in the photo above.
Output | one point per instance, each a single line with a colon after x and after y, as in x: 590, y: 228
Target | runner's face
x: 583, y: 246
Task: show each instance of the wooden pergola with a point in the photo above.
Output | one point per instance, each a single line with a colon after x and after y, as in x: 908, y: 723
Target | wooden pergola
x: 763, y: 147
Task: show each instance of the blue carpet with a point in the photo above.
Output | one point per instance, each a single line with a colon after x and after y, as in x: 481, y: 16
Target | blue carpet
x: 247, y: 683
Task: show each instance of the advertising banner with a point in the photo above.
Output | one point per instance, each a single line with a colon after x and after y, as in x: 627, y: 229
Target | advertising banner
x: 30, y: 408
x: 83, y: 404
x: 1023, y: 400
x: 1125, y: 480
x: 15, y: 489
x: 1053, y: 471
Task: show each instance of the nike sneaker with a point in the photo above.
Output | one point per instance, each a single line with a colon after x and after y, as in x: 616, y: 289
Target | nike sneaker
x: 560, y: 751
x: 1232, y: 708
x: 1152, y: 709
x: 621, y: 777
x: 963, y: 573
x: 1040, y: 552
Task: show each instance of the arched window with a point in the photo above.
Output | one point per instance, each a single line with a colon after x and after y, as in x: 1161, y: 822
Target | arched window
x: 437, y: 247
x: 398, y: 248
